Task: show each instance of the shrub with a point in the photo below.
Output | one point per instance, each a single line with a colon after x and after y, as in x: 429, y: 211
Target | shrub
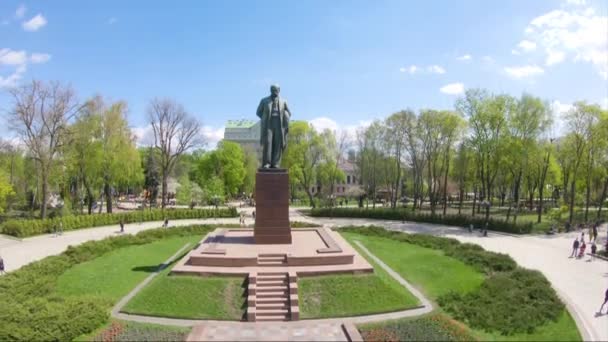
x: 30, y: 309
x: 131, y: 331
x: 24, y: 228
x: 436, y: 327
x: 408, y: 215
x: 510, y: 302
x: 473, y: 255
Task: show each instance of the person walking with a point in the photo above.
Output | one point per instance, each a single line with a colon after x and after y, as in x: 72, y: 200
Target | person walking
x: 595, y: 231
x: 60, y: 227
x: 605, y: 301
x: 166, y: 223
x: 122, y: 226
x: 2, y: 266
x: 593, y: 251
x: 574, y: 248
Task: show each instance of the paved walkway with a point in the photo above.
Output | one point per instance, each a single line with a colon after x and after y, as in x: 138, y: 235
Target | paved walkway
x: 580, y: 283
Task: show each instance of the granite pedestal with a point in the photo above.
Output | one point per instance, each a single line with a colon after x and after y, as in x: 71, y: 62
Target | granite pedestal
x: 272, y: 207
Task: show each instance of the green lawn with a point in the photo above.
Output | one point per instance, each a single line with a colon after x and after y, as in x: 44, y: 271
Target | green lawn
x: 436, y: 274
x: 113, y: 275
x: 352, y: 295
x: 430, y: 270
x: 190, y: 297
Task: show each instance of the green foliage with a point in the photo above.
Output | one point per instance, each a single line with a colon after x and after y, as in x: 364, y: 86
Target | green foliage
x: 435, y: 327
x: 24, y: 228
x: 408, y: 215
x: 225, y: 163
x: 508, y: 302
x: 6, y: 190
x: 33, y: 311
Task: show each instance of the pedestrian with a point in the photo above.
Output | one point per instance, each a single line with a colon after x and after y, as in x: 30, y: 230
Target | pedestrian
x: 593, y: 250
x: 166, y: 223
x: 582, y: 237
x: 2, y: 266
x: 122, y: 226
x: 253, y: 214
x: 595, y: 231
x: 581, y: 250
x: 574, y: 248
x: 605, y: 301
x: 60, y: 227
x: 590, y: 232
x: 242, y: 219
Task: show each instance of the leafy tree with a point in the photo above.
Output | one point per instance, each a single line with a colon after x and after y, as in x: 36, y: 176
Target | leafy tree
x: 6, y: 189
x: 227, y: 164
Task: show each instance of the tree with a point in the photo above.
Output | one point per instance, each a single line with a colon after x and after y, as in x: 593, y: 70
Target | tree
x: 152, y: 176
x: 40, y: 116
x: 225, y: 163
x: 6, y: 190
x: 175, y: 132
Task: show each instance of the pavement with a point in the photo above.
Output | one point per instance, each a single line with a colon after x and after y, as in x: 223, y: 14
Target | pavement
x: 581, y: 283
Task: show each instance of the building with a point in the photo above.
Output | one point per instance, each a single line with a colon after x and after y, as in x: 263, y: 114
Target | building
x: 350, y: 187
x: 246, y: 133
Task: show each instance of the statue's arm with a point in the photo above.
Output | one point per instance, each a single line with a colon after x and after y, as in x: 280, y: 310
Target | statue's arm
x: 287, y: 111
x: 260, y: 110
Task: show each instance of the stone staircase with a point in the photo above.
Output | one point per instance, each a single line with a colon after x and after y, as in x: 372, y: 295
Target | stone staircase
x: 272, y: 296
x: 272, y: 259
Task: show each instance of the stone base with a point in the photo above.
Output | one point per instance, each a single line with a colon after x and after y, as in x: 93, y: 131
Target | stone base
x: 272, y: 207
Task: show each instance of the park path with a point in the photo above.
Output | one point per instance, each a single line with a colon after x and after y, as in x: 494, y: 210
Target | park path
x: 580, y: 283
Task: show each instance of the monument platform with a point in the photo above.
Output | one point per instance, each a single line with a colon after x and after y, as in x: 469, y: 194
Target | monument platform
x: 313, y: 251
x: 272, y: 207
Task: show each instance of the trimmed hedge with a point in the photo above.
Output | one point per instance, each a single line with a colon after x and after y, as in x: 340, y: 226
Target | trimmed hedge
x: 473, y: 255
x: 24, y: 228
x: 31, y: 310
x: 401, y: 214
x: 510, y: 300
x: 435, y: 327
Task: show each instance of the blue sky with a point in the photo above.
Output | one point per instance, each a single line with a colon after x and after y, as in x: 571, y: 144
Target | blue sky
x: 339, y: 63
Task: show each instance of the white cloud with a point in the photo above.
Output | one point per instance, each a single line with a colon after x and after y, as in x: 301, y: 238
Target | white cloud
x: 560, y: 109
x: 211, y: 136
x: 35, y: 23
x: 323, y: 123
x: 576, y: 2
x: 523, y: 71
x: 432, y: 69
x: 112, y: 20
x: 20, y: 12
x: 11, y: 80
x: 39, y: 58
x: 466, y: 57
x: 452, y: 89
x: 577, y: 33
x: 515, y: 52
x: 12, y: 57
x: 526, y: 45
x: 487, y: 59
x: 605, y: 103
x: 436, y: 69
x: 554, y: 57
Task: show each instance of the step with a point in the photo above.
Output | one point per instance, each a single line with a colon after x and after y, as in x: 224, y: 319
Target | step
x: 272, y: 283
x: 274, y: 294
x: 271, y: 306
x: 271, y: 258
x: 271, y: 278
x: 270, y: 273
x: 272, y: 312
x: 271, y: 255
x: 271, y: 263
x: 271, y: 289
x: 277, y: 318
x: 272, y: 300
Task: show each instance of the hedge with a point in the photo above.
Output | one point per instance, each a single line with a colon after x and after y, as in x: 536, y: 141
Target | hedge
x: 434, y: 327
x: 30, y: 309
x: 24, y: 228
x: 401, y: 214
x: 510, y: 300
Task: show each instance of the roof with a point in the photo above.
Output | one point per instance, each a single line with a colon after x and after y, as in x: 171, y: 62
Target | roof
x: 242, y: 123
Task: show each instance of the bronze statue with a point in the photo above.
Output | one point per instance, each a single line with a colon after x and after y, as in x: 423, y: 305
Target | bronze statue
x: 274, y: 115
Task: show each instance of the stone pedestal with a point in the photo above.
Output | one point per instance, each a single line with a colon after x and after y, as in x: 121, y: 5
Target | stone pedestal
x: 272, y: 207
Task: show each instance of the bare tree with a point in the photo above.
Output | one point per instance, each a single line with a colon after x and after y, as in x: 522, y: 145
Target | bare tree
x: 40, y: 116
x: 175, y: 132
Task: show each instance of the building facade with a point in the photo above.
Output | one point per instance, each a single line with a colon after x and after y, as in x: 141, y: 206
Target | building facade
x: 246, y: 133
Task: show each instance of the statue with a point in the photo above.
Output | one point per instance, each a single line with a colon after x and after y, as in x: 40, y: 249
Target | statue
x: 274, y: 115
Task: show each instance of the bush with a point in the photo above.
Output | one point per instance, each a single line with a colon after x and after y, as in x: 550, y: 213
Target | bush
x: 436, y: 327
x: 24, y: 228
x: 471, y: 254
x: 408, y: 215
x: 132, y: 331
x: 32, y: 311
x: 510, y: 302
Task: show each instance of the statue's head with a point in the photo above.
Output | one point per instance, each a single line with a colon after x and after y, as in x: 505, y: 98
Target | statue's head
x: 274, y: 90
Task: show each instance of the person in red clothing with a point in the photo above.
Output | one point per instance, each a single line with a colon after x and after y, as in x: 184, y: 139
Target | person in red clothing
x: 605, y: 301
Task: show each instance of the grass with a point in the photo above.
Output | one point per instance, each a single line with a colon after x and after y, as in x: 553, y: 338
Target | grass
x: 117, y: 330
x: 437, y: 274
x: 113, y: 275
x: 351, y: 295
x: 429, y: 269
x: 190, y: 297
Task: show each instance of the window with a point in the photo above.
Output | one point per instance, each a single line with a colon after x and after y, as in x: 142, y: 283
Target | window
x: 348, y: 179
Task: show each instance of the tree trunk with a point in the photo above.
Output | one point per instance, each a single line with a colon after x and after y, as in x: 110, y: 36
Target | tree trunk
x: 45, y: 194
x: 541, y: 187
x: 163, y: 199
x: 310, y: 197
x: 445, y: 187
x: 474, y: 200
x: 461, y: 195
x: 602, y: 199
x: 516, y: 195
x: 587, y: 195
x: 572, y: 188
x: 108, y: 194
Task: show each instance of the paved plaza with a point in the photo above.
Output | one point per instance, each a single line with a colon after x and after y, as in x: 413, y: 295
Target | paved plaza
x: 581, y: 283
